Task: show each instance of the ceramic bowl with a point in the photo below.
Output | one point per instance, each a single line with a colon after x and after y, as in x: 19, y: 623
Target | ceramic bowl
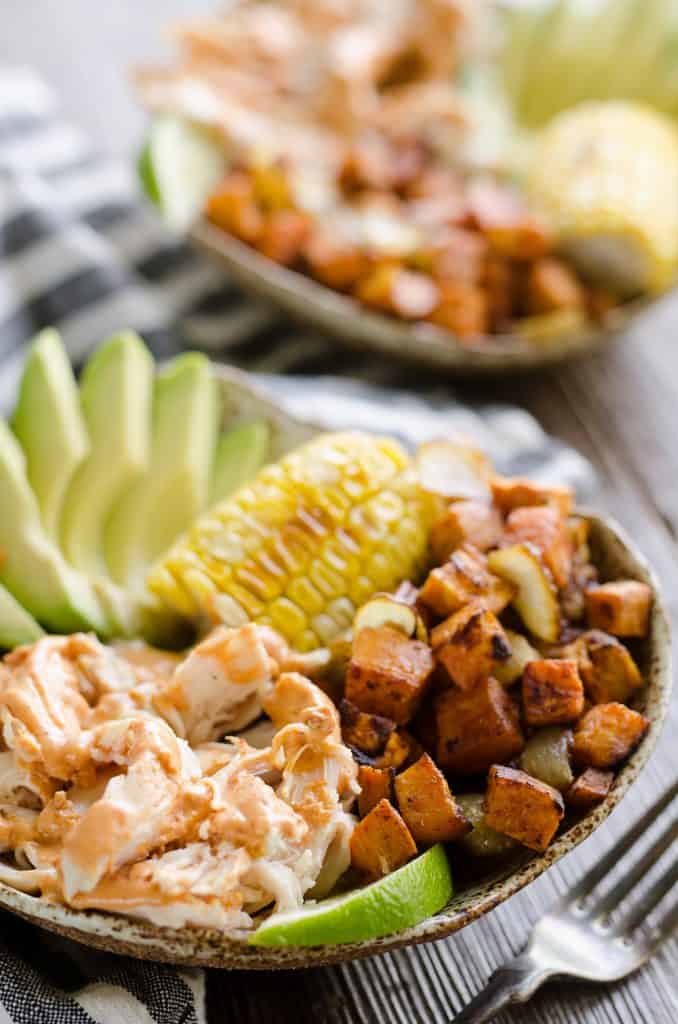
x: 314, y: 305
x: 614, y: 554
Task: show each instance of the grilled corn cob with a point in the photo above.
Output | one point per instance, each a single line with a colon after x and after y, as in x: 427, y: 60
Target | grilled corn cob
x: 606, y: 175
x: 308, y: 541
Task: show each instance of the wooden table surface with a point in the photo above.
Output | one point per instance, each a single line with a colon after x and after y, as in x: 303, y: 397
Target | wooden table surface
x: 620, y: 408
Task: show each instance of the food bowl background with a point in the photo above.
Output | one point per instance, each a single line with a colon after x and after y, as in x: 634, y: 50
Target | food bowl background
x: 615, y: 556
x: 344, y: 318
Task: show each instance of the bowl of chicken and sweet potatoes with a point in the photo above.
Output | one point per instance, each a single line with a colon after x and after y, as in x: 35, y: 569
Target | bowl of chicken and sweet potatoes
x: 488, y: 676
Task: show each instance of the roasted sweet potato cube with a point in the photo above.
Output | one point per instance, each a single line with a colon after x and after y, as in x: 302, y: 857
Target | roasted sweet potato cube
x: 553, y: 693
x: 607, y: 668
x: 465, y: 522
x: 462, y: 309
x: 232, y: 206
x: 388, y: 673
x: 476, y: 728
x: 376, y: 784
x: 470, y: 644
x: 621, y: 608
x: 381, y: 842
x: 428, y: 808
x: 514, y: 492
x: 606, y: 734
x: 590, y: 788
x: 396, y: 290
x: 401, y: 749
x: 543, y: 527
x: 551, y: 286
x: 462, y: 579
x: 283, y: 236
x: 522, y: 807
x: 337, y: 264
x: 368, y: 733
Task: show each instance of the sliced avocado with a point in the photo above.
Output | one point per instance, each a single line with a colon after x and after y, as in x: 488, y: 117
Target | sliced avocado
x: 49, y: 425
x: 31, y: 566
x: 16, y: 625
x: 241, y: 452
x: 166, y: 500
x: 115, y: 396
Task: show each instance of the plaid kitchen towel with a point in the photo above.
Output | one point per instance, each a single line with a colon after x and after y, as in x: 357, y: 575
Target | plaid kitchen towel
x: 80, y: 251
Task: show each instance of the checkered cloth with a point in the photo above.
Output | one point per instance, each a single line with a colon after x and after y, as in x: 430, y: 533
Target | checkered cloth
x: 80, y: 251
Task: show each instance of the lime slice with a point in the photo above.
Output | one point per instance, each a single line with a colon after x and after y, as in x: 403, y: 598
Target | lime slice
x: 400, y: 900
x: 178, y: 167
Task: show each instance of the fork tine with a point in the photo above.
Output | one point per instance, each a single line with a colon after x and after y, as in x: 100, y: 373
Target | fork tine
x: 663, y: 931
x: 622, y: 846
x: 647, y: 904
x: 630, y: 880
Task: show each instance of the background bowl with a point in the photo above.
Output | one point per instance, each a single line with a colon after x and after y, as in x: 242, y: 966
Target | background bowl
x: 614, y: 554
x: 313, y: 304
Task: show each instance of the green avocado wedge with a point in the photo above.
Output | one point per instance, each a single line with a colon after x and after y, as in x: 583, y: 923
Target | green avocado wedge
x: 17, y: 627
x: 49, y: 424
x: 241, y: 452
x: 115, y: 396
x: 175, y: 489
x: 395, y: 902
x: 31, y: 567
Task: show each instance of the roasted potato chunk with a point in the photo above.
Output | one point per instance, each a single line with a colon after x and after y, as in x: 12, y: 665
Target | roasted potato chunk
x: 462, y: 579
x: 426, y: 804
x: 607, y: 734
x: 469, y: 645
x: 381, y: 842
x: 607, y: 669
x: 590, y: 788
x: 545, y: 529
x: 368, y: 733
x: 553, y: 693
x: 522, y: 807
x: 522, y: 653
x: 621, y: 608
x: 465, y: 522
x: 475, y: 728
x: 547, y: 757
x: 514, y: 492
x: 376, y: 784
x: 388, y: 673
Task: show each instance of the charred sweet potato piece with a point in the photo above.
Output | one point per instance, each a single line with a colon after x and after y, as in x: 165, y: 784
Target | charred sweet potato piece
x: 401, y: 749
x: 545, y: 529
x: 381, y: 842
x: 283, y: 236
x: 462, y: 309
x: 515, y: 492
x: 388, y: 673
x: 551, y: 286
x: 522, y: 807
x: 462, y: 579
x: 553, y: 693
x: 465, y: 522
x: 590, y: 788
x: 476, y: 728
x: 469, y: 644
x: 621, y: 608
x: 607, y: 734
x: 426, y: 804
x: 607, y: 668
x: 376, y: 784
x: 337, y: 264
x: 368, y: 733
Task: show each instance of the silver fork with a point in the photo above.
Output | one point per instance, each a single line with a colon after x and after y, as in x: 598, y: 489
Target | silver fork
x: 578, y: 938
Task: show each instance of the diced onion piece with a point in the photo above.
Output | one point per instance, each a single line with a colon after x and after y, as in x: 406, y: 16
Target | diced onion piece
x: 454, y: 470
x: 536, y: 601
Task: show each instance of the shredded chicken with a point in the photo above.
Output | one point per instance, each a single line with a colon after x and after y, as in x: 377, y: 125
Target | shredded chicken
x: 122, y: 787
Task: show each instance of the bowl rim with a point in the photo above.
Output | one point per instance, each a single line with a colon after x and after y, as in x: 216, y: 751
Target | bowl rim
x: 193, y: 946
x: 315, y: 304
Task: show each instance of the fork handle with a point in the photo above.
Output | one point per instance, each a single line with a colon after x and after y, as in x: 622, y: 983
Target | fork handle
x: 516, y: 982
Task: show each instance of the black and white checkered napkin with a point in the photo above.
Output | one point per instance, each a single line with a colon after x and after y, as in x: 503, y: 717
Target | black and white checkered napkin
x: 80, y: 251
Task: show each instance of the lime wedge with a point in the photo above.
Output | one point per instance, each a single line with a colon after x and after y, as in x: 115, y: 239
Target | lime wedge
x: 400, y: 900
x: 178, y: 167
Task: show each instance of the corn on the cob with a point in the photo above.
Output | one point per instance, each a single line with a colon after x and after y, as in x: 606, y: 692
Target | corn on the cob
x: 606, y: 175
x: 309, y: 540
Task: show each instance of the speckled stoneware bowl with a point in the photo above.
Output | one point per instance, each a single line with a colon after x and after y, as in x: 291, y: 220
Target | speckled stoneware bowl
x: 614, y: 554
x: 340, y: 316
